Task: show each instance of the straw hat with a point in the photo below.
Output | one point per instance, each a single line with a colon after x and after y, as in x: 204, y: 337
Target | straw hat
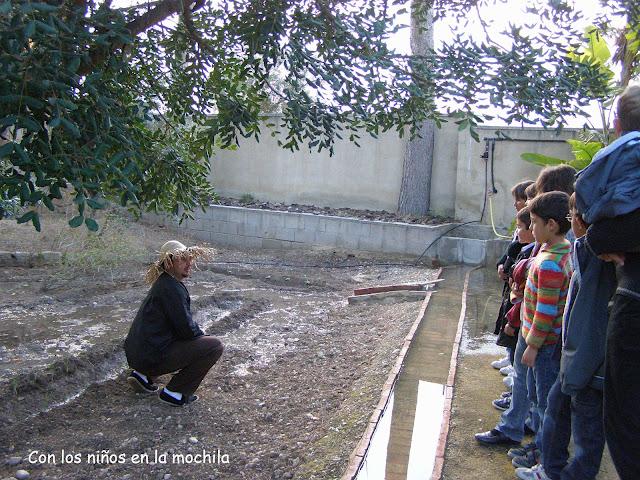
x: 171, y: 250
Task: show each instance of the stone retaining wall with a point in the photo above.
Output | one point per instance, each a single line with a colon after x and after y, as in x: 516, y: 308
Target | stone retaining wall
x: 28, y: 260
x: 255, y: 228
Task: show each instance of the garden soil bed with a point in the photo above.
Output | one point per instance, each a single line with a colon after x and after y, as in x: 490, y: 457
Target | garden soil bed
x: 300, y: 376
x: 378, y: 215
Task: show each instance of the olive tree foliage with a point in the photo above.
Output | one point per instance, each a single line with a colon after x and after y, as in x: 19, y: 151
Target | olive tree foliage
x: 128, y: 102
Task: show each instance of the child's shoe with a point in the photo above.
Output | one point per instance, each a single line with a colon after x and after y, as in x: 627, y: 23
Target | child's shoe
x: 534, y: 473
x: 503, y: 362
x: 527, y: 461
x: 508, y: 381
x: 501, y: 403
x: 520, y: 451
x: 508, y: 370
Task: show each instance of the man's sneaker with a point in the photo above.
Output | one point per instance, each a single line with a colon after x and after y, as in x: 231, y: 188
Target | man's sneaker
x: 502, y: 403
x: 503, y: 362
x: 521, y: 451
x: 534, y: 473
x: 166, y: 398
x: 139, y: 384
x: 508, y: 381
x: 527, y: 461
x: 508, y: 370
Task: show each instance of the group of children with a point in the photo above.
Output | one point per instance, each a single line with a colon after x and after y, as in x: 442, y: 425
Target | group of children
x: 570, y: 315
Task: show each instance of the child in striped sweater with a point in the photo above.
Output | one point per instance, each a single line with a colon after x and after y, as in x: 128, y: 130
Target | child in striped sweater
x: 545, y: 296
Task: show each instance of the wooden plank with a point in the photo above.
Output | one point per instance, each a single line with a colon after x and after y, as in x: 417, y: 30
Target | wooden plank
x: 389, y: 297
x: 393, y: 288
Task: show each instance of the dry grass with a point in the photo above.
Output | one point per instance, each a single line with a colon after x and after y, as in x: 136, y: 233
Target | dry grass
x: 119, y: 244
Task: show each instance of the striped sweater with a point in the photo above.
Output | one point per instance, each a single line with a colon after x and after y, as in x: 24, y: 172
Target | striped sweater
x: 545, y: 294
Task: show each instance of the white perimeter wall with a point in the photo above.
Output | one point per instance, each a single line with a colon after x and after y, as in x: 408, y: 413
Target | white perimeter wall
x: 369, y: 177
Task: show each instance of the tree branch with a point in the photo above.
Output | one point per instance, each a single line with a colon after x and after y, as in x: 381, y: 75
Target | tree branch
x: 163, y: 10
x: 192, y: 31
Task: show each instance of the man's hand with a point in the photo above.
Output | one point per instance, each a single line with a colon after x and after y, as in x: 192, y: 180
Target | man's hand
x: 529, y: 356
x: 617, y: 258
x: 518, y: 290
x: 501, y: 274
x: 509, y: 330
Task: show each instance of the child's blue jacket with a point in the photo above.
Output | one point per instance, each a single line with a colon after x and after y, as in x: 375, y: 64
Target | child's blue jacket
x: 608, y: 187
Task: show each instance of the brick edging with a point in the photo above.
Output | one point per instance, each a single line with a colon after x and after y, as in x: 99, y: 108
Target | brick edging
x: 448, y: 400
x: 361, y: 448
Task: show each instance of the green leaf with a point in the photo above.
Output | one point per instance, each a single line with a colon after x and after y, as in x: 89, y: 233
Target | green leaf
x: 91, y: 224
x: 71, y: 127
x: 75, y: 222
x: 29, y: 29
x: 29, y: 124
x: 55, y: 191
x: 597, y: 46
x: 46, y: 28
x: 66, y: 104
x: 44, y: 7
x: 48, y: 203
x: 27, y: 217
x: 36, y: 221
x: 24, y: 156
x: 95, y: 204
x: 116, y: 159
x: 8, y: 120
x: 542, y: 160
x: 74, y: 65
x: 584, y: 151
x: 6, y: 149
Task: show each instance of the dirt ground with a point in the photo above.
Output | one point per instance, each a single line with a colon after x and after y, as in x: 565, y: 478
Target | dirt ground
x: 290, y: 397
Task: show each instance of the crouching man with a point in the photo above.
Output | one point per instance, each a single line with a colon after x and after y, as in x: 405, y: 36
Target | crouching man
x: 163, y: 337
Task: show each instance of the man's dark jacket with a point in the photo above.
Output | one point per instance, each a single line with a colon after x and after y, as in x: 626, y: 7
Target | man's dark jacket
x: 584, y: 329
x: 163, y: 318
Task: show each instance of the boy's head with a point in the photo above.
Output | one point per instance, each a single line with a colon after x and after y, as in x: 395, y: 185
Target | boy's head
x: 578, y: 225
x: 530, y: 192
x: 628, y: 113
x: 519, y: 195
x: 560, y: 178
x: 549, y: 213
x: 523, y: 224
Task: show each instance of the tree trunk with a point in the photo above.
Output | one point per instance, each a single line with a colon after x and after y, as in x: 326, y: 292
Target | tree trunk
x: 415, y: 190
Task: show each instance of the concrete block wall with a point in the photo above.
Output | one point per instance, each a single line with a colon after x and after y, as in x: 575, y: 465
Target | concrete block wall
x: 254, y: 228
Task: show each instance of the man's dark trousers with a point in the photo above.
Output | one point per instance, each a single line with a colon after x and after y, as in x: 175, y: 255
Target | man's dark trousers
x: 192, y: 359
x: 622, y: 386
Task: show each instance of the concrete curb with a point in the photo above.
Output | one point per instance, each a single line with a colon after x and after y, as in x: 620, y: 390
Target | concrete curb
x: 449, y: 387
x: 355, y: 460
